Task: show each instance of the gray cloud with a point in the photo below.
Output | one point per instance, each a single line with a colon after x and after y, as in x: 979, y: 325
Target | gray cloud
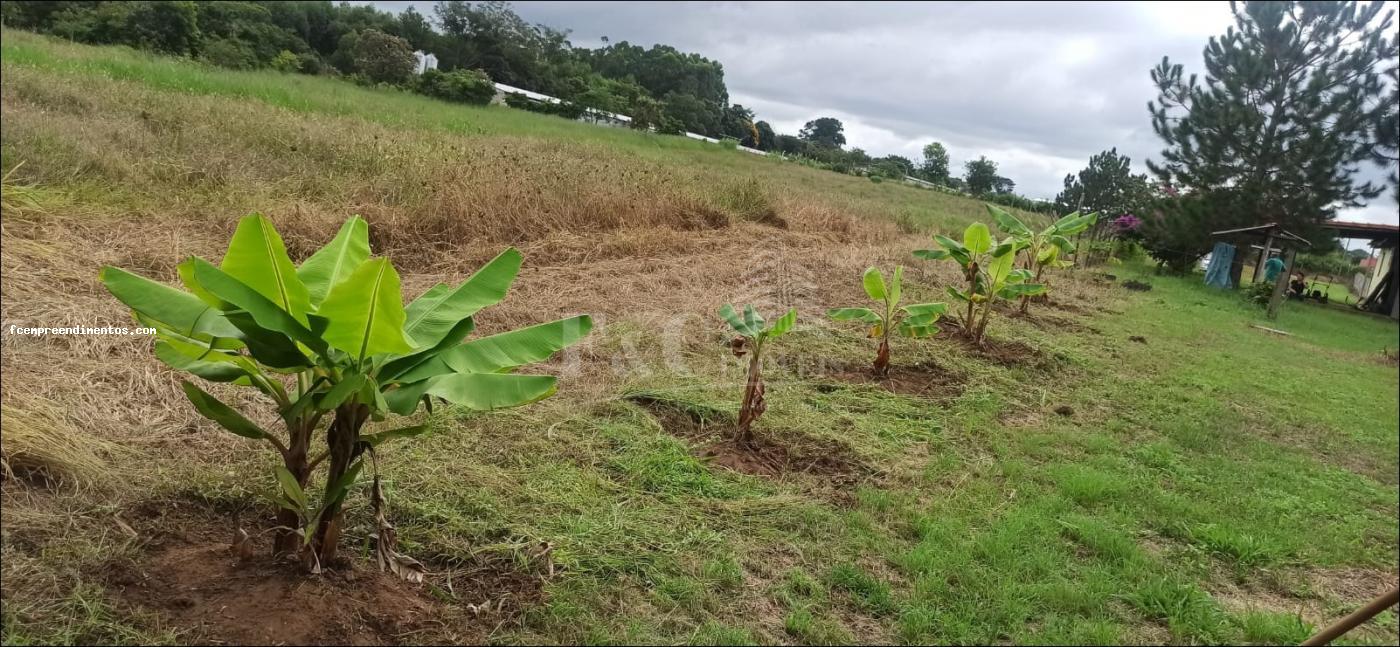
x: 1036, y: 86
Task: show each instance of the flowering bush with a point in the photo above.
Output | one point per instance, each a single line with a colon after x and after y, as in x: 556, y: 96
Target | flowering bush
x: 1126, y: 224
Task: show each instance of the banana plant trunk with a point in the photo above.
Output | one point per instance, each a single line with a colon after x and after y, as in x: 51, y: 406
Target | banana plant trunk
x: 1026, y: 298
x: 341, y: 438
x: 970, y: 320
x: 981, y: 331
x: 285, y: 540
x: 882, y: 357
x: 753, y: 405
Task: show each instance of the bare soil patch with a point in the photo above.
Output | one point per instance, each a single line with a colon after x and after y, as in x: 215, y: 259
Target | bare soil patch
x: 191, y: 578
x: 769, y: 455
x: 1319, y: 595
x: 1003, y: 352
x: 924, y: 380
x: 1052, y: 323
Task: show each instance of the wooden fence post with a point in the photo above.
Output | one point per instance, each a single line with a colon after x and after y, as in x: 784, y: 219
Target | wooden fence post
x: 1279, y: 282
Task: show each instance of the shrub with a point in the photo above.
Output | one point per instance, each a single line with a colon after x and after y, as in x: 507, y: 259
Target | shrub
x: 753, y: 336
x: 461, y: 86
x: 909, y: 321
x: 747, y: 200
x: 383, y: 58
x: 338, y: 324
x: 285, y: 61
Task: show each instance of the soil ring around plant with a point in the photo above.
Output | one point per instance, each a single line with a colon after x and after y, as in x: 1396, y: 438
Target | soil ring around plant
x: 189, y: 575
x: 925, y: 380
x: 770, y: 455
x: 1008, y: 353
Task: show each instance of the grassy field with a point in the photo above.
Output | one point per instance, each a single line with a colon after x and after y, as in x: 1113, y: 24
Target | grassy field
x: 1119, y: 467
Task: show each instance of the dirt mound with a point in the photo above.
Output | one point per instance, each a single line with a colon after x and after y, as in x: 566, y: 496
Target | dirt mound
x: 924, y: 380
x: 193, y: 580
x: 770, y: 454
x: 1137, y: 286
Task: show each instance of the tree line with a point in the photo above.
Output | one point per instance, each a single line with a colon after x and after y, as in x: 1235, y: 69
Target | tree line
x: 478, y: 43
x: 673, y: 91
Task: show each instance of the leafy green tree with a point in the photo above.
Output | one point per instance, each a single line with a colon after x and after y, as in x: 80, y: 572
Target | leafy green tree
x: 766, y: 140
x: 790, y: 145
x: 250, y: 36
x: 336, y: 328
x: 166, y: 27
x: 935, y: 165
x: 415, y: 29
x: 1287, y: 110
x: 737, y: 122
x: 892, y: 166
x: 981, y: 176
x: 692, y: 84
x: 383, y: 58
x: 824, y: 132
x: 692, y: 113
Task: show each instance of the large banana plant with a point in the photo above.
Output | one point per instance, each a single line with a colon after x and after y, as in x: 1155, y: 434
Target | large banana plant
x: 989, y: 273
x: 908, y: 321
x: 332, y: 337
x: 1044, y: 249
x: 753, y: 337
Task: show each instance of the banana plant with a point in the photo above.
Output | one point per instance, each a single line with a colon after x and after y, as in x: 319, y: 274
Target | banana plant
x: 753, y: 336
x: 1046, y: 248
x: 989, y: 273
x: 908, y: 321
x: 332, y: 337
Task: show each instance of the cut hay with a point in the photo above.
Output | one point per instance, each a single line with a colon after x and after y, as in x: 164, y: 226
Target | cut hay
x: 39, y: 445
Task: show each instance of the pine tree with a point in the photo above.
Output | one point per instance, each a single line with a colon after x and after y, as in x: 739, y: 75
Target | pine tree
x: 1107, y: 186
x: 1287, y: 113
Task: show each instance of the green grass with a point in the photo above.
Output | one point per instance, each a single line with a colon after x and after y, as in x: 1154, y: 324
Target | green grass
x: 1213, y: 458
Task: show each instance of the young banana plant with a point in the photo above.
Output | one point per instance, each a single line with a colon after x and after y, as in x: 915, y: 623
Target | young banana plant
x: 753, y: 336
x: 336, y: 323
x: 908, y: 321
x: 989, y: 273
x: 1042, y: 249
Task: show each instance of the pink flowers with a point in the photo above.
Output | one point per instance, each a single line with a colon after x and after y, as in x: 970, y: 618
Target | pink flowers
x: 1126, y: 224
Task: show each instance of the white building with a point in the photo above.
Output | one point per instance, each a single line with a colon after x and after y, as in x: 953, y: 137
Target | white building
x: 426, y: 62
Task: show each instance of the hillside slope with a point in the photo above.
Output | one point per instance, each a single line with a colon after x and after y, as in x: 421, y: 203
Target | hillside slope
x: 1066, y: 484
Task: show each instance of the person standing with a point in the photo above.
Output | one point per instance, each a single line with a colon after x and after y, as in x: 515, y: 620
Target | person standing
x: 1273, y: 267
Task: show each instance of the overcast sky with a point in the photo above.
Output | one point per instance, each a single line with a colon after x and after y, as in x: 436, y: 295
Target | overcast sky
x: 1037, y: 86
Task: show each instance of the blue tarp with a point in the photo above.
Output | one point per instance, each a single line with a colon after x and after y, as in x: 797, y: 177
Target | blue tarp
x: 1218, y: 272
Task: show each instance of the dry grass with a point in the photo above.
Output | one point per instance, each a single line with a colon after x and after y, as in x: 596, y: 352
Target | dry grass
x: 42, y: 445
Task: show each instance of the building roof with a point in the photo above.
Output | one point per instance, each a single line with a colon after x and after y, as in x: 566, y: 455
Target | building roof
x: 510, y: 89
x: 1371, y: 230
x: 1272, y: 229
